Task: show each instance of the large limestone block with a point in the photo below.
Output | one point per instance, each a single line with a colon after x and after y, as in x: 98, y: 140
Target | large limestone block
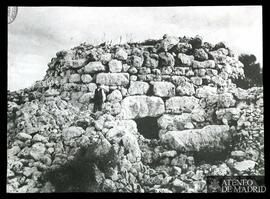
x: 177, y: 122
x: 181, y: 104
x: 163, y: 89
x: 113, y: 79
x: 212, y: 138
x: 138, y: 88
x: 115, y: 66
x: 142, y: 106
x: 94, y: 67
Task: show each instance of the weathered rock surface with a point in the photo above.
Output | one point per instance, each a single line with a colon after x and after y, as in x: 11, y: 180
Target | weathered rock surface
x: 163, y: 89
x: 181, y: 104
x: 113, y: 79
x: 138, y: 88
x: 213, y: 137
x: 93, y: 67
x: 142, y: 106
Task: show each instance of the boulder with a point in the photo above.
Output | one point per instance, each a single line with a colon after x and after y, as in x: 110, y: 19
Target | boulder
x: 203, y: 64
x: 138, y: 88
x: 137, y: 61
x: 185, y: 88
x: 150, y: 62
x: 121, y: 54
x: 72, y: 132
x: 196, y: 80
x: 142, y: 106
x: 121, y: 128
x: 166, y: 59
x: 113, y: 79
x: 244, y: 165
x: 169, y: 42
x: 176, y: 122
x: 94, y: 67
x: 228, y: 114
x: 210, y: 138
x: 226, y: 100
x: 77, y: 63
x: 103, y: 148
x: 181, y: 104
x: 85, y: 98
x: 86, y: 78
x: 131, y: 145
x: 200, y: 54
x: 24, y: 136
x: 37, y: 150
x: 115, y: 96
x: 51, y: 92
x: 105, y: 58
x: 75, y: 78
x: 178, y: 80
x: 115, y: 66
x: 182, y: 48
x: 185, y: 60
x: 205, y: 91
x: 163, y: 89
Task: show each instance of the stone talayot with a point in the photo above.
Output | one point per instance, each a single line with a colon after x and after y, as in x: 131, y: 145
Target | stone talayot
x: 142, y: 106
x: 212, y: 137
x: 49, y: 122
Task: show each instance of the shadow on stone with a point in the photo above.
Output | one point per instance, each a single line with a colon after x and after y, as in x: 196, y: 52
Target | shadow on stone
x: 79, y: 174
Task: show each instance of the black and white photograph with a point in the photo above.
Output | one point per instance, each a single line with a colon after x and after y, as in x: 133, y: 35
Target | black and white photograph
x: 165, y: 99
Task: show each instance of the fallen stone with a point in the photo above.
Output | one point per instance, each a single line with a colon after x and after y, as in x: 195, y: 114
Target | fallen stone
x: 37, y: 150
x: 212, y: 137
x: 131, y: 144
x: 244, y: 165
x: 72, y: 132
x: 121, y: 128
x: 24, y: 136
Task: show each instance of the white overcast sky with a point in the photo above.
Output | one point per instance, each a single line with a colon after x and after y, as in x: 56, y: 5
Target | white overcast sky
x: 39, y: 32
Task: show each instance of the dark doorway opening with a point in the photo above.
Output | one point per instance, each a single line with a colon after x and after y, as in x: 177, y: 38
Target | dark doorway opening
x: 148, y: 127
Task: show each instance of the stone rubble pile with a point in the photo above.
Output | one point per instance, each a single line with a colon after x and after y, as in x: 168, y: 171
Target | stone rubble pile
x: 185, y: 83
